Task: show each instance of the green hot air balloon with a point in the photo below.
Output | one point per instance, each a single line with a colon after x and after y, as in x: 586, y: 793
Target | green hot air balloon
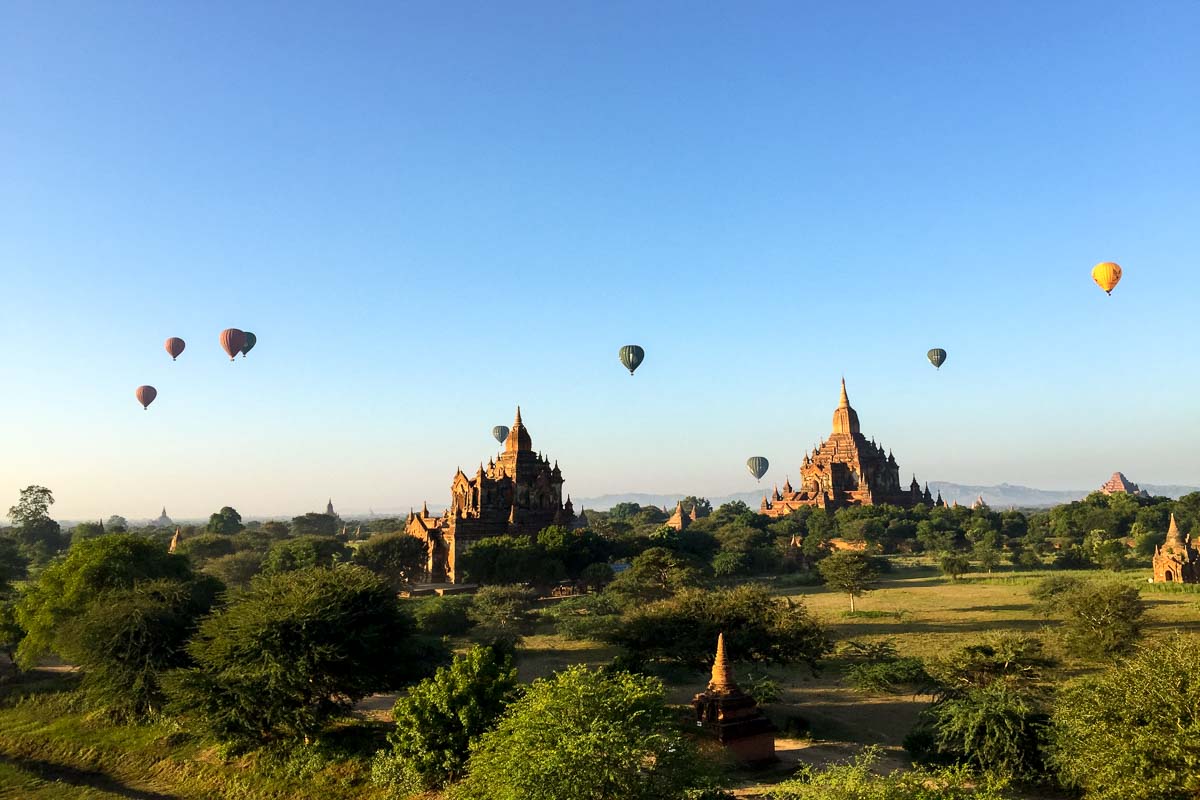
x: 251, y: 340
x: 937, y: 357
x: 631, y: 356
x: 500, y: 432
x: 757, y: 466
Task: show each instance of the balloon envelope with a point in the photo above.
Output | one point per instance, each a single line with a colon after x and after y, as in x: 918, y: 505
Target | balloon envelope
x: 500, y: 432
x: 1107, y: 275
x: 937, y: 357
x: 175, y: 346
x: 757, y: 466
x: 232, y: 340
x: 631, y: 356
x: 248, y: 345
x: 145, y: 395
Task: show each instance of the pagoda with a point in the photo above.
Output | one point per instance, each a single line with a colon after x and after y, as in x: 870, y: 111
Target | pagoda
x: 1119, y: 484
x: 1177, y: 560
x: 846, y: 470
x: 519, y: 494
x: 734, y: 716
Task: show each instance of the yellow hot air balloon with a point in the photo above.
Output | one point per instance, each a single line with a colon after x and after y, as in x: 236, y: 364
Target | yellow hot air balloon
x: 1107, y: 275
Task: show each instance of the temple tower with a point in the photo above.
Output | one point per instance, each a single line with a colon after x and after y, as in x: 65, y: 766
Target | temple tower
x: 734, y: 716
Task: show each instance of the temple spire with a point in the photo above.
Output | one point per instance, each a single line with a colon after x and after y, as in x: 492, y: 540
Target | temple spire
x: 722, y: 674
x: 1173, y: 534
x: 845, y: 400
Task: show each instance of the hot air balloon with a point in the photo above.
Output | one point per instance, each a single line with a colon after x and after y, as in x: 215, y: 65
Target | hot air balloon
x: 145, y: 395
x: 233, y: 341
x: 251, y: 340
x: 757, y: 466
x: 631, y: 356
x: 500, y: 432
x: 1107, y: 275
x: 937, y: 357
x: 175, y: 346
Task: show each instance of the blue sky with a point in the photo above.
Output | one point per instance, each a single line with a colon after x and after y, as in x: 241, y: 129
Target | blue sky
x: 432, y: 212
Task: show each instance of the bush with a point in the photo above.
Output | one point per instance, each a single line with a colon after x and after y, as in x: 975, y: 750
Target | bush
x: 398, y: 558
x: 999, y: 657
x: 236, y: 569
x: 612, y: 736
x: 447, y: 615
x: 205, y: 547
x: 1131, y: 732
x: 502, y: 612
x: 857, y: 780
x: 1100, y: 620
x: 758, y: 626
x: 129, y: 638
x: 877, y: 667
x: 998, y: 729
x: 954, y: 565
x: 441, y: 717
x: 591, y: 616
x: 292, y: 651
x: 304, y: 552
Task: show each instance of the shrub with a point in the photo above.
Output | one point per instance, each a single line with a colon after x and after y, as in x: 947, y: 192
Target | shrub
x: 857, y: 780
x: 1131, y: 732
x: 1100, y: 619
x: 758, y: 626
x: 591, y: 616
x: 447, y: 615
x: 236, y: 569
x: 1005, y: 656
x: 439, y: 718
x: 292, y: 651
x: 304, y: 552
x: 398, y: 558
x: 205, y: 547
x: 954, y: 565
x: 612, y: 735
x: 502, y: 612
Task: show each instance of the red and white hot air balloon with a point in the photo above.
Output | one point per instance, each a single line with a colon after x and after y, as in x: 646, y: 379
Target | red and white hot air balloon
x: 233, y: 341
x: 145, y: 395
x: 175, y: 346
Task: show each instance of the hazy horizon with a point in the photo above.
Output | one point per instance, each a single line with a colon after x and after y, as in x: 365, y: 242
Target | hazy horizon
x: 432, y: 214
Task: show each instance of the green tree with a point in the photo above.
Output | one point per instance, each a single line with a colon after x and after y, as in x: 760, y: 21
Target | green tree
x: 1131, y: 732
x: 13, y: 564
x: 1100, y: 619
x: 852, y: 573
x: 511, y: 559
x: 313, y: 524
x: 653, y: 575
x: 954, y: 565
x: 116, y: 524
x: 442, y: 615
x: 128, y: 638
x: 398, y: 558
x: 304, y: 552
x: 205, y: 547
x: 502, y: 613
x: 758, y: 626
x: 65, y: 590
x: 584, y: 735
x: 292, y: 651
x: 236, y: 569
x: 39, y: 535
x: 227, y: 521
x: 276, y: 530
x: 87, y: 530
x: 441, y: 717
x: 11, y: 632
x: 860, y: 779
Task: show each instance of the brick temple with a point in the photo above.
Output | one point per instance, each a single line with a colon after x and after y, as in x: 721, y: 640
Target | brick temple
x: 733, y: 716
x: 845, y: 470
x: 520, y: 494
x: 1177, y: 560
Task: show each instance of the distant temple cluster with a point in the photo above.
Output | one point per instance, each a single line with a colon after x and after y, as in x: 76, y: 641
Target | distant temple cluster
x: 1177, y: 560
x: 846, y: 470
x: 521, y: 494
x: 680, y: 519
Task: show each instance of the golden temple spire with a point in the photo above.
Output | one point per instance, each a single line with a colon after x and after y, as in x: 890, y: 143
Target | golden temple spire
x: 845, y: 401
x: 1173, y: 534
x: 722, y: 674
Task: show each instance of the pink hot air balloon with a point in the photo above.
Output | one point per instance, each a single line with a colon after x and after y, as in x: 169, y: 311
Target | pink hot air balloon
x: 145, y: 395
x: 233, y: 341
x: 175, y: 346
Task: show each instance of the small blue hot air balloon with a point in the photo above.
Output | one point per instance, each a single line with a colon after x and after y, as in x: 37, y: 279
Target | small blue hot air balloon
x: 500, y: 432
x: 937, y: 357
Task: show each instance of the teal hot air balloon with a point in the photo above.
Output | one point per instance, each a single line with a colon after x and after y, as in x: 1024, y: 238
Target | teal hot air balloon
x: 500, y: 432
x: 631, y: 356
x: 937, y: 357
x: 251, y: 340
x: 757, y: 466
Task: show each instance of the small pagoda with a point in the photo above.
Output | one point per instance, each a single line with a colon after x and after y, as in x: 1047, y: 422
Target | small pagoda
x: 734, y: 716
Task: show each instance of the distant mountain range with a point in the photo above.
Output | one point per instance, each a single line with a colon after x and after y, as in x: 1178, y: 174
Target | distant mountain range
x: 1000, y: 496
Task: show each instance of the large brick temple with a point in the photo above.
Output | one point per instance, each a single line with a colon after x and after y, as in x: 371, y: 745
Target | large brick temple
x: 845, y: 470
x: 521, y: 494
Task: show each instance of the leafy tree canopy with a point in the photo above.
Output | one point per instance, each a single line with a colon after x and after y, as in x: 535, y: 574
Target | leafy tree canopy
x: 304, y: 552
x: 398, y: 558
x: 313, y: 524
x: 227, y: 521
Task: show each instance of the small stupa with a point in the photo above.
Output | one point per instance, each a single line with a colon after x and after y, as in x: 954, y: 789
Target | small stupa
x: 734, y: 716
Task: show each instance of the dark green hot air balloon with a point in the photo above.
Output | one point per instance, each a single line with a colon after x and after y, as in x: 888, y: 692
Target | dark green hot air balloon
x: 500, y: 432
x: 631, y: 356
x: 937, y: 357
x: 251, y: 340
x: 757, y: 466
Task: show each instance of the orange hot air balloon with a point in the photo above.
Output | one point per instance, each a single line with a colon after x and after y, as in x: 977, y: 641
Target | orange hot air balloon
x: 145, y: 395
x: 1107, y: 275
x: 233, y: 341
x: 175, y: 346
